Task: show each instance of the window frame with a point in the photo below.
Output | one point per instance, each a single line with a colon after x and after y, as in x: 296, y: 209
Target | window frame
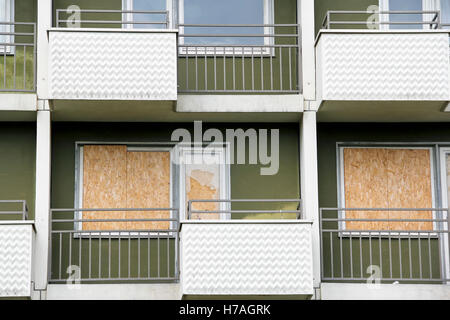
x: 225, y: 176
x: 9, y: 50
x: 341, y: 187
x: 269, y: 18
x: 444, y: 152
x: 127, y: 5
x: 78, y: 196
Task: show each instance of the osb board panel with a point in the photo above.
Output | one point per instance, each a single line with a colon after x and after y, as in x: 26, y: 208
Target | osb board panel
x: 387, y: 178
x: 365, y: 183
x: 203, y: 184
x: 148, y: 186
x: 409, y: 183
x: 104, y: 185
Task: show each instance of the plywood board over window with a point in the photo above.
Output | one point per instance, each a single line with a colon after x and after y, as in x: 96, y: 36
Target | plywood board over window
x: 114, y: 177
x: 387, y: 178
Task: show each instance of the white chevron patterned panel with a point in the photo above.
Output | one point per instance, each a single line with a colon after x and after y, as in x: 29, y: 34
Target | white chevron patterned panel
x: 15, y: 260
x: 246, y: 259
x: 383, y: 66
x: 113, y: 65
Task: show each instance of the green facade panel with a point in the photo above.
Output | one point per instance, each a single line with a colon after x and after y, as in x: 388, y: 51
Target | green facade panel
x: 17, y: 166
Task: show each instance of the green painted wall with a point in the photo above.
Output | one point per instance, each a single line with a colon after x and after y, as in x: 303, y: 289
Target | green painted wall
x: 246, y: 182
x: 17, y: 165
x: 322, y: 6
x: 328, y: 136
x: 93, y: 5
x: 24, y: 11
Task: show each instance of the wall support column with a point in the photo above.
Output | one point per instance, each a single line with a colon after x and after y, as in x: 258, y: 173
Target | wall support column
x: 309, y: 184
x: 43, y: 176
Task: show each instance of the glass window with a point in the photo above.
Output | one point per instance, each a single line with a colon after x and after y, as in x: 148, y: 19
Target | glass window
x: 6, y: 15
x: 445, y: 13
x: 228, y: 12
x: 408, y: 5
x: 156, y: 20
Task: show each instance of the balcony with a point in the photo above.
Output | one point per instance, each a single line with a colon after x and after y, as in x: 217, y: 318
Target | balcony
x: 115, y: 56
x: 114, y: 245
x: 385, y: 245
x: 256, y: 252
x: 104, y: 59
x: 16, y: 250
x: 17, y: 57
x: 240, y: 251
x: 405, y: 70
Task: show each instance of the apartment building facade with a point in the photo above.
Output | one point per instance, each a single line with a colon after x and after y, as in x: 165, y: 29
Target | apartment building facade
x: 183, y: 149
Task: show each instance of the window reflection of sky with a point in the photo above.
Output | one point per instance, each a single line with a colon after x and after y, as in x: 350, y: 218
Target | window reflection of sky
x: 402, y: 5
x: 224, y: 12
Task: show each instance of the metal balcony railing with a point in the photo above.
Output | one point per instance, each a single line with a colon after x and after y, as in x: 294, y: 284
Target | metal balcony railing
x: 87, y: 245
x: 112, y: 18
x: 245, y: 58
x: 17, y: 57
x: 385, y: 244
x: 12, y: 209
x: 430, y: 19
x: 222, y: 209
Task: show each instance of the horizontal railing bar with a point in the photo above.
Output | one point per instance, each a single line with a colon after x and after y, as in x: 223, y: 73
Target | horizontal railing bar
x: 384, y: 279
x: 128, y: 231
x: 384, y: 209
x: 240, y: 90
x: 17, y: 33
x: 382, y: 22
x: 384, y: 231
x: 111, y: 22
x: 212, y: 46
x: 11, y: 212
x: 246, y: 211
x: 390, y: 220
x: 109, y: 220
x: 247, y: 200
x: 237, y: 25
x: 117, y: 11
x: 382, y: 12
x: 237, y: 35
x: 118, y: 279
x: 11, y: 44
x: 113, y: 209
x: 16, y: 90
x: 18, y: 23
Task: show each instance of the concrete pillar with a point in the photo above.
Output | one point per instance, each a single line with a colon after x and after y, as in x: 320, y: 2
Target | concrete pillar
x: 44, y: 22
x: 305, y: 17
x: 309, y: 184
x: 43, y: 168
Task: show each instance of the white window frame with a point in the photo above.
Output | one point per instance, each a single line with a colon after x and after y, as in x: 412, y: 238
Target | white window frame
x: 134, y: 147
x: 9, y: 10
x: 224, y: 179
x: 443, y: 153
x: 427, y: 5
x: 128, y: 6
x: 269, y: 18
x: 341, y: 187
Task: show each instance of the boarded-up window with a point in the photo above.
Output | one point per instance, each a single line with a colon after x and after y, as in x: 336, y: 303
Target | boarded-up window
x: 387, y: 178
x: 114, y: 177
